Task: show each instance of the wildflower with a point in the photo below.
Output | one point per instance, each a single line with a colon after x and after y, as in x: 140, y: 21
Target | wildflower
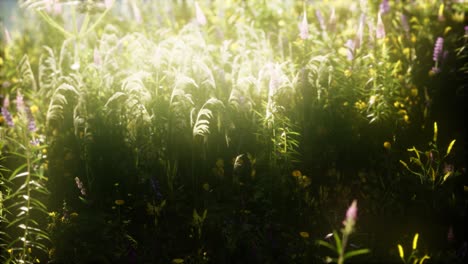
x: 320, y: 19
x: 8, y: 39
x: 206, y: 187
x: 80, y: 186
x: 108, y: 3
x: 34, y: 109
x: 384, y: 7
x: 351, y: 216
x: 360, y: 32
x: 332, y: 19
x: 296, y: 173
x: 177, y: 261
x: 20, y: 102
x: 404, y: 23
x: 53, y: 214
x: 31, y: 122
x: 440, y: 14
x: 53, y: 7
x: 304, y: 234
x: 387, y: 145
x: 200, y: 16
x: 119, y: 202
x: 380, y: 28
x: 304, y: 27
x: 74, y: 214
x: 438, y: 49
x: 7, y: 116
x: 350, y: 44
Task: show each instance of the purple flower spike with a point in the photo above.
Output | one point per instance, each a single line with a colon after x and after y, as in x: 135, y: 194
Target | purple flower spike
x: 404, y: 23
x: 20, y: 107
x: 31, y: 123
x: 350, y: 44
x: 200, y: 16
x: 351, y: 213
x: 384, y: 7
x: 6, y: 114
x: 320, y: 19
x: 304, y: 27
x: 438, y: 49
x: 380, y: 30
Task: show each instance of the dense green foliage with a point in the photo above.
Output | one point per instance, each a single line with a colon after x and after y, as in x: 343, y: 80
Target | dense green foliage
x: 233, y: 131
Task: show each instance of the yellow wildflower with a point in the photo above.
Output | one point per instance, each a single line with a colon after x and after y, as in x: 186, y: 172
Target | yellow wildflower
x: 296, y: 173
x: 119, y: 202
x: 406, y: 118
x: 10, y: 250
x: 52, y: 214
x: 304, y: 234
x: 34, y: 109
x: 387, y: 145
x: 74, y: 214
x: 414, y: 92
x: 348, y: 73
x: 206, y: 186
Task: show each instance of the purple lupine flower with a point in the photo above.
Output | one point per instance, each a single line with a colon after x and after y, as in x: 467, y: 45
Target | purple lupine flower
x: 404, y: 23
x: 80, y: 186
x: 351, y: 213
x: 320, y: 19
x: 360, y: 32
x: 31, y: 122
x: 350, y: 44
x: 304, y: 27
x: 20, y: 107
x: 199, y: 15
x: 384, y: 7
x: 332, y: 20
x: 380, y: 28
x: 8, y: 39
x: 438, y: 49
x: 108, y: 3
x: 6, y: 114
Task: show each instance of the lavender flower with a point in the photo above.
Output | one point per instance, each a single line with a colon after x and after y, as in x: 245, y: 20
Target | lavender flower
x: 6, y: 114
x: 108, y: 3
x: 350, y: 44
x: 384, y: 7
x: 80, y: 186
x: 380, y: 28
x: 332, y: 20
x: 200, y: 16
x: 360, y: 32
x: 8, y: 39
x: 20, y: 107
x: 404, y: 23
x: 438, y: 49
x: 31, y: 122
x: 320, y: 19
x: 304, y: 27
x: 351, y: 213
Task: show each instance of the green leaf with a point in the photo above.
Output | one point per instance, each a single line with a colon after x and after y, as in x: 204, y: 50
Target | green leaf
x: 356, y: 253
x: 337, y: 241
x: 435, y: 132
x: 327, y: 245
